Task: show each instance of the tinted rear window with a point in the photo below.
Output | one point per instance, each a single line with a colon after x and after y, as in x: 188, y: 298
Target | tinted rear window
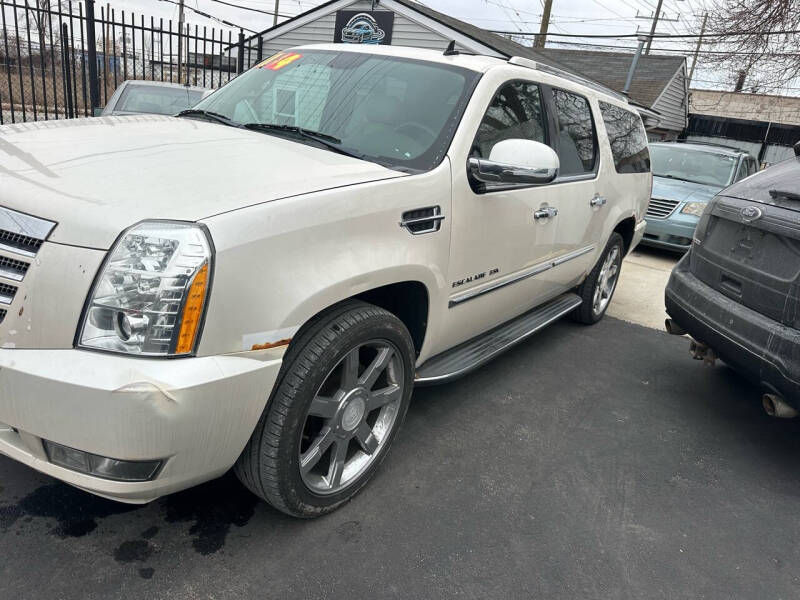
x: 576, y: 138
x: 628, y: 139
x: 777, y: 185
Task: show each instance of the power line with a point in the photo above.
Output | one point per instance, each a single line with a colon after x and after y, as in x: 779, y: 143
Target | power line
x: 687, y: 50
x: 257, y: 10
x: 654, y: 36
x: 212, y: 17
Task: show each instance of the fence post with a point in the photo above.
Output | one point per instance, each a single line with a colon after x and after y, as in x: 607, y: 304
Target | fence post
x: 65, y: 62
x: 240, y: 52
x: 91, y: 57
x: 260, y: 48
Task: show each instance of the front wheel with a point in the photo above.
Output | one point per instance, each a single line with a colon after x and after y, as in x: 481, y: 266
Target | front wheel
x: 339, y: 403
x: 598, y: 288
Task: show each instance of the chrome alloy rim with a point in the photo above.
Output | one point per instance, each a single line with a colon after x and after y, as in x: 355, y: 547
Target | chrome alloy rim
x: 606, y: 282
x: 351, y: 417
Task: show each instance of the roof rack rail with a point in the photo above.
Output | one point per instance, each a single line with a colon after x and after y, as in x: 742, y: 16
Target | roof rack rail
x: 521, y: 61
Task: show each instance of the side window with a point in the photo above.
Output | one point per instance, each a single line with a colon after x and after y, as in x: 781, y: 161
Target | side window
x: 628, y: 139
x: 577, y: 146
x: 516, y: 112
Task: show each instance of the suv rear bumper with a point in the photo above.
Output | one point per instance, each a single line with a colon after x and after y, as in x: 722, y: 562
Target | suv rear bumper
x: 195, y: 414
x: 765, y: 350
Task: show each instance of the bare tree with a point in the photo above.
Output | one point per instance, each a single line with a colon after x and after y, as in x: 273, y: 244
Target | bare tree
x: 42, y: 14
x: 743, y: 42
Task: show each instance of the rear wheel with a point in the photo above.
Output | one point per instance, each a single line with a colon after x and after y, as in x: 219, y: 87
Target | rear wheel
x: 598, y: 288
x: 342, y: 396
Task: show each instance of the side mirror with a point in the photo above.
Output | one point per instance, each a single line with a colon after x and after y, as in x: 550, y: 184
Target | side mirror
x: 516, y: 161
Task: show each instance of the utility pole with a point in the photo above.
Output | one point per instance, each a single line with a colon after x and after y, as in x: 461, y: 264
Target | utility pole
x: 542, y: 37
x: 697, y: 50
x: 275, y: 15
x: 180, y: 39
x: 634, y: 62
x: 653, y: 26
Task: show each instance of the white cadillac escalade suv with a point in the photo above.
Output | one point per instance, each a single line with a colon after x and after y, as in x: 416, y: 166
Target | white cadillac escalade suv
x: 260, y: 282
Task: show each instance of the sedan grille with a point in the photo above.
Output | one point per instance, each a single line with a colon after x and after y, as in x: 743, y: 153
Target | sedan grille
x: 660, y: 208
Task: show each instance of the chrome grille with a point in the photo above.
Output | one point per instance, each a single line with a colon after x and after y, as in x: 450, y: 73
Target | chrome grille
x: 21, y: 235
x: 7, y: 293
x: 660, y: 208
x: 13, y: 269
x: 22, y: 244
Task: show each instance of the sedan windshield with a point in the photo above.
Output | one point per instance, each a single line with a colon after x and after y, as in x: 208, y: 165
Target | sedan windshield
x: 398, y: 112
x: 156, y: 99
x: 689, y: 164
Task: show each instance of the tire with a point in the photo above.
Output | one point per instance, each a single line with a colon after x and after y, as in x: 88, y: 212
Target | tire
x: 309, y: 420
x: 590, y: 312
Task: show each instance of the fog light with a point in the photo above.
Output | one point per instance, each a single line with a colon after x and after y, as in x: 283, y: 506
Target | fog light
x: 101, y: 466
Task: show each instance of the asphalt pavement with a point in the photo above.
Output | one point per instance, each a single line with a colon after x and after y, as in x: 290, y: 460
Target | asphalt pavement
x: 589, y: 462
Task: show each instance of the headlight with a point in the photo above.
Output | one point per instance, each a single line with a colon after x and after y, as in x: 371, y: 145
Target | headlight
x: 694, y: 208
x: 152, y: 291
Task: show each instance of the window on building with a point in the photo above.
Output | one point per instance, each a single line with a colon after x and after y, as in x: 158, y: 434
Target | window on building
x: 577, y: 141
x: 628, y: 139
x: 516, y: 112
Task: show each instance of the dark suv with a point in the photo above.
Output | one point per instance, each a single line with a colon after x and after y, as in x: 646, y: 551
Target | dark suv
x: 737, y: 291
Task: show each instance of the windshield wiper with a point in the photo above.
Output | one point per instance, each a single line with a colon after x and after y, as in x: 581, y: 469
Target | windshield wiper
x: 329, y: 141
x: 775, y: 194
x: 210, y: 115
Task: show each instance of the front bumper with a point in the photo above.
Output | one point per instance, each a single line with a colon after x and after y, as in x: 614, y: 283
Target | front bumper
x: 765, y: 350
x: 195, y: 413
x: 673, y: 233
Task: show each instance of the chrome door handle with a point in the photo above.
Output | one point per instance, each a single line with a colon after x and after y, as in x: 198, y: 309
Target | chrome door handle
x: 545, y: 212
x: 598, y: 200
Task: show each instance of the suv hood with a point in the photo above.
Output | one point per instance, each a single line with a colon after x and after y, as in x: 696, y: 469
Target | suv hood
x: 95, y: 177
x: 683, y: 191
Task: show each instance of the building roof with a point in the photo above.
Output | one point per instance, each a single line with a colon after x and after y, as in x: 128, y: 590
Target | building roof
x: 653, y: 73
x: 498, y: 43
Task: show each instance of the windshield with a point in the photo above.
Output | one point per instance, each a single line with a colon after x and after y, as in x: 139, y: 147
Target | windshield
x: 394, y: 111
x: 155, y: 99
x: 689, y: 164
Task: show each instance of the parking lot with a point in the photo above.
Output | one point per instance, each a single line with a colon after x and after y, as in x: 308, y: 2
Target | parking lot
x: 591, y: 462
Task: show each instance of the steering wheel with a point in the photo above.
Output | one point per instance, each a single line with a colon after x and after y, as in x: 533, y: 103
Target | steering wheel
x: 409, y: 127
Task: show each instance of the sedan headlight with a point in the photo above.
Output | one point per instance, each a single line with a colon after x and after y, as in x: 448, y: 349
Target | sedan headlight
x: 694, y: 208
x: 151, y: 293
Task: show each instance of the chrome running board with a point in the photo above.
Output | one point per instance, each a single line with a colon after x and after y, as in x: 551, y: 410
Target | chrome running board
x: 470, y: 355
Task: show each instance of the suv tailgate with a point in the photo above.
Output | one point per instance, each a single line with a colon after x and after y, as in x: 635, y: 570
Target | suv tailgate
x: 753, y: 261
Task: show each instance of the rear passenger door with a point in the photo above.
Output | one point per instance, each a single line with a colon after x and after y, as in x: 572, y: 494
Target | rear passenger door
x: 574, y: 193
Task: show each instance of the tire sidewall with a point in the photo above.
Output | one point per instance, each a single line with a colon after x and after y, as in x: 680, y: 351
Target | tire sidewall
x: 614, y: 241
x: 384, y: 326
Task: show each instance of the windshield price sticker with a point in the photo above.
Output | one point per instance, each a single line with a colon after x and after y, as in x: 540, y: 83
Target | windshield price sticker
x: 277, y: 61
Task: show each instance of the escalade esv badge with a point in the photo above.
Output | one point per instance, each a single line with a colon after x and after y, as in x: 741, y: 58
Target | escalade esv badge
x: 750, y: 214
